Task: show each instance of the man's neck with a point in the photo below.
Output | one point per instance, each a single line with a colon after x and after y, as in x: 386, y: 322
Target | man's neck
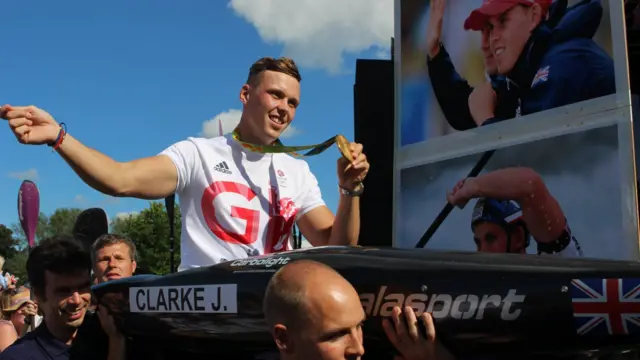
x: 64, y: 334
x: 248, y: 136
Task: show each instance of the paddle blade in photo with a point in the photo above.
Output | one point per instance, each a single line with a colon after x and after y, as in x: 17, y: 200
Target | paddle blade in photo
x: 29, y: 209
x: 90, y: 225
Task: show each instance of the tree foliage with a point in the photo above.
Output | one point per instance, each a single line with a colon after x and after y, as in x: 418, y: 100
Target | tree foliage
x: 9, y: 245
x: 15, y: 257
x: 149, y: 230
x: 13, y: 242
x: 17, y: 265
x: 61, y: 222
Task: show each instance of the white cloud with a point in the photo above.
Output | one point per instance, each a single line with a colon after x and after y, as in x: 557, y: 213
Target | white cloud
x: 31, y: 174
x: 384, y: 54
x: 318, y: 33
x: 79, y: 199
x: 126, y: 215
x: 229, y: 120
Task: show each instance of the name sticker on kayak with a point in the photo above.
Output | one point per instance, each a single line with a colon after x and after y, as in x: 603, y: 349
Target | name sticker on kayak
x: 202, y: 299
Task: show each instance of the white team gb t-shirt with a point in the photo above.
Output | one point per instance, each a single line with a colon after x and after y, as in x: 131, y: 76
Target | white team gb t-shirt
x: 236, y: 203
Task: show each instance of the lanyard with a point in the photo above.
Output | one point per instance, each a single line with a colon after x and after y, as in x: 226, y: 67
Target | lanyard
x: 279, y: 147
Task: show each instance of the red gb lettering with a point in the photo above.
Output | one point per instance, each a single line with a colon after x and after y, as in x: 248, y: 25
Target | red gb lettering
x: 283, y: 215
x: 252, y: 217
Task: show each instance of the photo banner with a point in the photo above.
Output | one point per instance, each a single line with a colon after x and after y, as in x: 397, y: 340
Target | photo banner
x: 535, y: 96
x: 460, y: 70
x: 539, y: 189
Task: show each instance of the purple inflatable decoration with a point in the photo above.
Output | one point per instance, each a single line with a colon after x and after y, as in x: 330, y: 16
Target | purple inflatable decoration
x: 29, y: 209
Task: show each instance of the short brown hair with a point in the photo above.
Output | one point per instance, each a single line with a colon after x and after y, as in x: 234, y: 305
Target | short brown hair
x: 283, y: 64
x: 60, y: 254
x: 113, y: 239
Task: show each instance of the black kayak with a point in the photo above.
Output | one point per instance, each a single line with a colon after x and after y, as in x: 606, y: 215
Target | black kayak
x: 484, y: 305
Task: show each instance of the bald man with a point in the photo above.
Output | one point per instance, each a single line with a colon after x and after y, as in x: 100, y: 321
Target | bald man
x: 315, y: 313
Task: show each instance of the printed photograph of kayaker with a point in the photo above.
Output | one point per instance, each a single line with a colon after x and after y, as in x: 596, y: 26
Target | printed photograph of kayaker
x: 513, y: 206
x: 564, y: 194
x: 465, y: 64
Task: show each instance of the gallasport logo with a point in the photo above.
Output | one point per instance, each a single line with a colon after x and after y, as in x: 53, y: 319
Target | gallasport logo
x: 462, y: 307
x: 268, y: 262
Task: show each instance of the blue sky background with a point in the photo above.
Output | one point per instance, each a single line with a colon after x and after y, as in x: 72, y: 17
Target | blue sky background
x: 129, y: 78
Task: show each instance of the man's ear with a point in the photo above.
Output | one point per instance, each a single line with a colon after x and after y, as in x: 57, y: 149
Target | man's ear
x: 282, y: 338
x: 535, y: 12
x: 134, y: 266
x: 244, y: 93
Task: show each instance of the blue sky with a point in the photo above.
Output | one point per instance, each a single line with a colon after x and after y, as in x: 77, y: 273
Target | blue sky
x: 130, y: 78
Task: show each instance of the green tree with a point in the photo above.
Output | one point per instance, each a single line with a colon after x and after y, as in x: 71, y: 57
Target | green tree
x: 8, y: 244
x: 149, y: 230
x: 17, y: 265
x: 61, y: 222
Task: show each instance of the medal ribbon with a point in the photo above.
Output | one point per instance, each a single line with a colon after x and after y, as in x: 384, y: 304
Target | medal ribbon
x: 279, y: 147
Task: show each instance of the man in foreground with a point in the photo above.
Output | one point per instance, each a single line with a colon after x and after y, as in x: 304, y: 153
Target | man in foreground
x: 235, y: 202
x: 60, y: 274
x: 315, y: 313
x: 513, y: 205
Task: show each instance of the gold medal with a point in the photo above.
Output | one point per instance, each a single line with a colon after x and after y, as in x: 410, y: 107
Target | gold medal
x: 343, y: 146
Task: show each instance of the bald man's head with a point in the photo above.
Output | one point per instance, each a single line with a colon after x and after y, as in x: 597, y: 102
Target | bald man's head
x: 287, y: 296
x: 310, y: 304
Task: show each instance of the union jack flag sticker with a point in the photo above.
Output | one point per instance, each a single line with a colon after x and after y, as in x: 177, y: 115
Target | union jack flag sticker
x: 542, y: 75
x: 604, y: 307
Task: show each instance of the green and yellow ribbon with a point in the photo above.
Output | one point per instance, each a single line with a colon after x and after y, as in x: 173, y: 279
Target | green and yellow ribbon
x: 279, y: 147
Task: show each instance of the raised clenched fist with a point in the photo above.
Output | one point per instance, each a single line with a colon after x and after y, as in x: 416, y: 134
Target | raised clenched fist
x: 30, y: 125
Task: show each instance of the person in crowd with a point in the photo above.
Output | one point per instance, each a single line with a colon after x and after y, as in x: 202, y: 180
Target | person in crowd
x: 17, y: 307
x: 113, y: 257
x: 7, y: 281
x: 459, y: 101
x: 3, y: 281
x: 59, y: 271
x: 315, y: 313
x: 513, y: 206
x: 236, y: 198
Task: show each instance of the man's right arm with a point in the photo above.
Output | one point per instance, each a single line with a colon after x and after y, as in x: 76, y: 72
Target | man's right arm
x: 451, y: 91
x: 150, y: 178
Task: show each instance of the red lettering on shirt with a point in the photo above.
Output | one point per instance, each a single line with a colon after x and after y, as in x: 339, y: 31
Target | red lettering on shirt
x: 252, y: 217
x: 281, y: 212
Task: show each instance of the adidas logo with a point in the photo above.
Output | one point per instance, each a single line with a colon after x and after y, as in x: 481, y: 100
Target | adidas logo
x: 223, y: 168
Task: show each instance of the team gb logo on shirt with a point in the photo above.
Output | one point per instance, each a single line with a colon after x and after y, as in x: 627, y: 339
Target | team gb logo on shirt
x: 287, y: 208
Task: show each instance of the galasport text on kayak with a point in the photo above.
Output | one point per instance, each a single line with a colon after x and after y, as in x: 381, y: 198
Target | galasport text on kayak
x: 463, y: 306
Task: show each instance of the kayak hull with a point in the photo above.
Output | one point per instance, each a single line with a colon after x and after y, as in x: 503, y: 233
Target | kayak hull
x: 483, y: 304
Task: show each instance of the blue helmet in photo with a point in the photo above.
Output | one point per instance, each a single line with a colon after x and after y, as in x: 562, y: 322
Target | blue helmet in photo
x: 506, y: 213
